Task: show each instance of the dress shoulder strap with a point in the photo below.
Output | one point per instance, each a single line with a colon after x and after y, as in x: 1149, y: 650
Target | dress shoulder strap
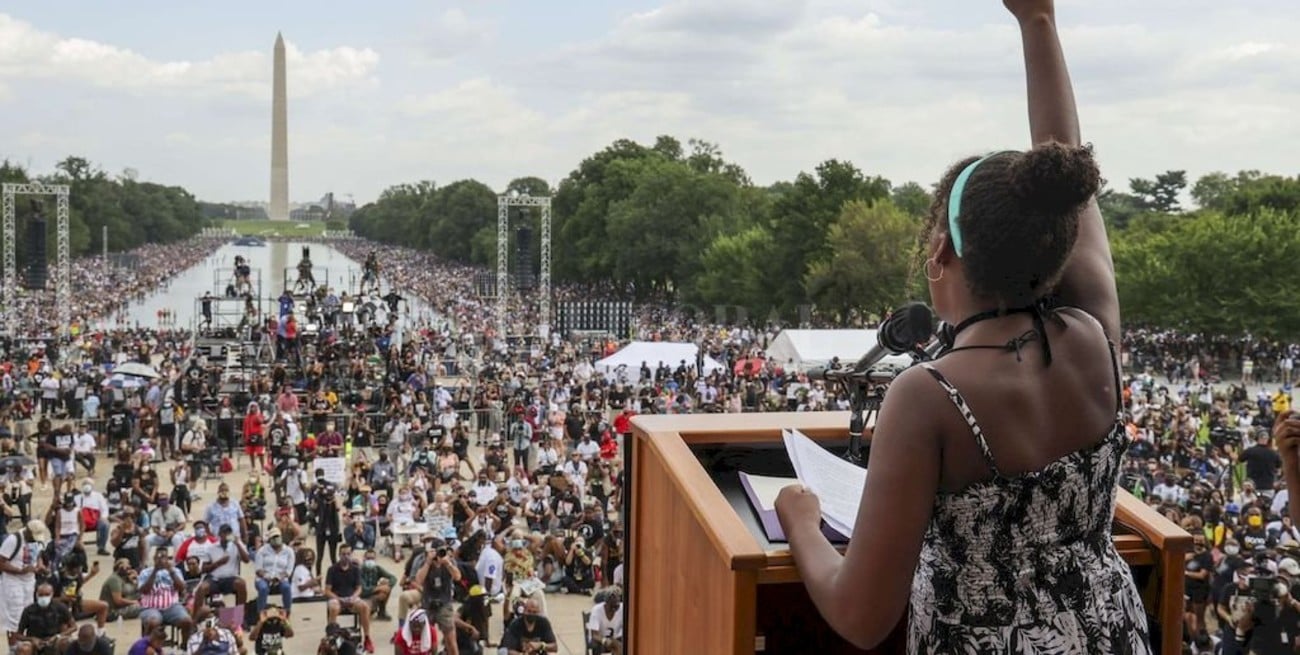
x: 960, y: 403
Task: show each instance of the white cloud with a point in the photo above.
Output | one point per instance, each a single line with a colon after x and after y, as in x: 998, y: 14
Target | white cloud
x: 27, y: 52
x: 454, y: 33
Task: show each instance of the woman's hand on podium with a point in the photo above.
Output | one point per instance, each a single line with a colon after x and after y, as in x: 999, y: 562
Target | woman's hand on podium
x: 796, y: 504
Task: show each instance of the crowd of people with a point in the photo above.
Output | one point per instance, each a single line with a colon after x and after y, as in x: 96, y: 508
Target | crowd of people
x: 504, y: 451
x: 100, y: 290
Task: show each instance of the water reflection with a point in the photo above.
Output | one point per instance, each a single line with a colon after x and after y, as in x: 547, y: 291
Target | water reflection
x: 269, y: 263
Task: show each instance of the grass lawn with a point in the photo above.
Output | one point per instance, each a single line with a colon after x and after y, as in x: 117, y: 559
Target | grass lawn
x: 275, y: 228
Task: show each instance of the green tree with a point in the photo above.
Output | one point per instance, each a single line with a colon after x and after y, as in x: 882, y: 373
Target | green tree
x: 1119, y: 208
x: 661, y: 224
x: 582, y: 248
x: 733, y: 271
x: 873, y: 249
x: 455, y: 214
x: 530, y: 186
x: 912, y: 198
x: 801, y: 218
x: 1212, y: 272
x: 1160, y: 194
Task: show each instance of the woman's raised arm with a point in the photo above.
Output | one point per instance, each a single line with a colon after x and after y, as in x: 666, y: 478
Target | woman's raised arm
x: 1089, y: 278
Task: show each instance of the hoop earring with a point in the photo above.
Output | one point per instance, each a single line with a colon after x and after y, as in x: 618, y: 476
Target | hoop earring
x: 933, y: 278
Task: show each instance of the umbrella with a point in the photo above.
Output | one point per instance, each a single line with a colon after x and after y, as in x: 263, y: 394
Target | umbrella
x: 16, y: 461
x: 754, y: 364
x: 119, y: 381
x: 138, y: 370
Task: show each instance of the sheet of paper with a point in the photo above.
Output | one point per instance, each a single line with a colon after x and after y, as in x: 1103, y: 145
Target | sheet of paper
x: 837, y: 483
x: 766, y: 488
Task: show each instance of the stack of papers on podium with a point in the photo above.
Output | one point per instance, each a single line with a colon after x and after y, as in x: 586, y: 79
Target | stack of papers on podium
x: 836, y: 482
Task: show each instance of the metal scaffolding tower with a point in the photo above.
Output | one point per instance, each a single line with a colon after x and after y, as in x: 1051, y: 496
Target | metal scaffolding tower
x: 504, y: 287
x: 63, y: 268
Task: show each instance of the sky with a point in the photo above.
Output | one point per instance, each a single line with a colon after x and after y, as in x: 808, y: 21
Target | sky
x: 394, y: 91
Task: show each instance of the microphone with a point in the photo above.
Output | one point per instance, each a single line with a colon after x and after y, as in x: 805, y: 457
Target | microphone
x: 902, y: 332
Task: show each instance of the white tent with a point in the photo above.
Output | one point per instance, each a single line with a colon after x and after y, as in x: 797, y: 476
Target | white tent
x: 801, y: 350
x: 626, y: 363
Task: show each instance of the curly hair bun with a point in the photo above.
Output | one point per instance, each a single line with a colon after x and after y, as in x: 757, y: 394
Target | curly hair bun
x: 1054, y: 178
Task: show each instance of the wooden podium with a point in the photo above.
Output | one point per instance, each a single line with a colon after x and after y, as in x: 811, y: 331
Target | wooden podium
x: 703, y: 579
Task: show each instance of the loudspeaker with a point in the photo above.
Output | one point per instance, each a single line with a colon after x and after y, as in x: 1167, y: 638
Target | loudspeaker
x: 37, y: 267
x: 525, y: 276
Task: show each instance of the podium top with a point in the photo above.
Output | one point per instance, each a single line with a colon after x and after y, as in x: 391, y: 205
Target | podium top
x: 674, y: 436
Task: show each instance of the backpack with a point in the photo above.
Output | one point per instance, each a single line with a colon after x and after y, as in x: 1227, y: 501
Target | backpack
x: 227, y: 466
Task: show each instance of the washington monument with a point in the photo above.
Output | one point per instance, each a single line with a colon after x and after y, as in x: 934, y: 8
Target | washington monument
x: 279, y: 209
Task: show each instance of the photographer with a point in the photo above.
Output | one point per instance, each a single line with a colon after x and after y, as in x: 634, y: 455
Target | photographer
x: 270, y: 632
x: 1259, y: 613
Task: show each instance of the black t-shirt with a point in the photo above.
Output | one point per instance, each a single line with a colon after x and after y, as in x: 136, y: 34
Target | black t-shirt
x: 1262, y: 463
x: 344, y: 583
x: 525, y: 629
x: 68, y: 587
x: 118, y: 423
x: 43, y: 622
x: 1200, y: 562
x: 58, y: 439
x: 278, y: 434
x: 270, y: 637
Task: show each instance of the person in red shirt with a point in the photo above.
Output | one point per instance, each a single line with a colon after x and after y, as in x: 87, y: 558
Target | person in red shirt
x: 416, y: 637
x: 623, y: 422
x: 254, y: 436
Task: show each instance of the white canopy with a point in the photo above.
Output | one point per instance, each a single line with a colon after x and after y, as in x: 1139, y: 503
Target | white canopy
x: 626, y: 363
x: 802, y: 350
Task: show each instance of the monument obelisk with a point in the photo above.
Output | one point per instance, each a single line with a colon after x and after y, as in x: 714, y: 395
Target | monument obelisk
x: 279, y: 209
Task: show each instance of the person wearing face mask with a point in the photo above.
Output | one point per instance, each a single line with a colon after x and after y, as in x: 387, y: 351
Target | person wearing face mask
x: 197, y: 543
x: 377, y: 584
x: 343, y: 589
x: 484, y: 491
x: 359, y: 533
x: 1197, y: 570
x: 530, y: 633
x: 1254, y: 537
x: 46, y: 625
x: 120, y: 592
x: 165, y: 523
x: 274, y: 563
x: 325, y: 512
x: 226, y: 512
x: 94, y: 509
x: 383, y: 473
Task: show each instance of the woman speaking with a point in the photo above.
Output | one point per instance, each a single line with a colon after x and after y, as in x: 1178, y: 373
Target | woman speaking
x: 988, y: 508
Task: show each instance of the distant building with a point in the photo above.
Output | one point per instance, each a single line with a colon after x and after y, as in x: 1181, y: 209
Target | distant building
x: 327, y: 208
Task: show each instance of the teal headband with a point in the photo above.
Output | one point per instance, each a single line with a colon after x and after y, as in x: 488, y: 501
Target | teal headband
x: 954, y: 200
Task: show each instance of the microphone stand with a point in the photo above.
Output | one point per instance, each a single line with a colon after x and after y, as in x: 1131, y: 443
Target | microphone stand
x: 866, y: 395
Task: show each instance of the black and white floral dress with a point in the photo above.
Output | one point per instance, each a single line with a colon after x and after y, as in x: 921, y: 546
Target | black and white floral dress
x: 1025, y: 563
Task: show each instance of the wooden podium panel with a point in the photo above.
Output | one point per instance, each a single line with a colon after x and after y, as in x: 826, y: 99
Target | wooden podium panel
x: 702, y: 579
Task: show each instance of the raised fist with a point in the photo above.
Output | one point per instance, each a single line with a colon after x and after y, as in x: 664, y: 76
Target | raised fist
x: 1026, y: 9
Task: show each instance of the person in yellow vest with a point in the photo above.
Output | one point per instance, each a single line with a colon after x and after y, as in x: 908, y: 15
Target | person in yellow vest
x: 1281, y: 402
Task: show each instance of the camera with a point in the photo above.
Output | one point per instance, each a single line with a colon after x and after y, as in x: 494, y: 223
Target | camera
x: 442, y: 552
x: 1263, y: 588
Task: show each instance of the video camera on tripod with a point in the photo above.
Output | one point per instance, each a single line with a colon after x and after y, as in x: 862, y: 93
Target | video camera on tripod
x: 909, y: 330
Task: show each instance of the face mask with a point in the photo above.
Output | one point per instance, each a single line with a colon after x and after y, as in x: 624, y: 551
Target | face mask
x: 200, y: 533
x: 1232, y: 550
x: 404, y: 497
x: 370, y: 564
x: 43, y: 601
x: 1255, y: 521
x: 275, y: 541
x: 85, y: 488
x: 223, y: 497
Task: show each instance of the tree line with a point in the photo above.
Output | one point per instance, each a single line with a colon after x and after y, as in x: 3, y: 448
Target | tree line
x: 679, y: 222
x: 135, y: 213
